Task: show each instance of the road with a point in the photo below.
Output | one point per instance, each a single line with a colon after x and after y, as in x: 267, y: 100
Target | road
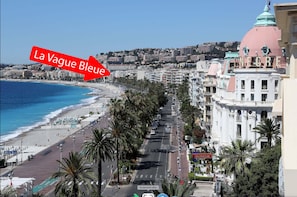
x: 153, y: 165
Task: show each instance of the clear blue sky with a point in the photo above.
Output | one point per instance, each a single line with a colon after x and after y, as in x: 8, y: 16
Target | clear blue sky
x: 86, y: 27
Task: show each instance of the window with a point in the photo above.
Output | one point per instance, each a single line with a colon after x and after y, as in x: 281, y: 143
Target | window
x: 276, y: 85
x: 252, y: 84
x: 263, y: 115
x: 242, y: 84
x: 238, y: 117
x: 207, y: 89
x: 275, y: 96
x: 208, y: 119
x: 263, y: 144
x: 252, y: 97
x: 214, y: 90
x: 264, y: 97
x: 264, y: 84
x: 246, y: 51
x: 265, y: 50
x: 238, y: 131
x: 242, y: 97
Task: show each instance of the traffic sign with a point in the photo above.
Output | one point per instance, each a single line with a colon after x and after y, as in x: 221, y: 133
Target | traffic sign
x: 148, y: 187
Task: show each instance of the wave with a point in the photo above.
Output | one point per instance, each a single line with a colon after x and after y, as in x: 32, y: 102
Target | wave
x: 47, y: 118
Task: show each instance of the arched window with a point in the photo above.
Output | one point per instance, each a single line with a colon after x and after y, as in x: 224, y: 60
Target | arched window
x: 238, y: 117
x: 246, y: 51
x: 265, y: 50
x: 263, y: 115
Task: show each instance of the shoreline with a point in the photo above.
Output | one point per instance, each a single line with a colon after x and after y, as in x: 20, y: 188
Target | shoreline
x: 45, y: 135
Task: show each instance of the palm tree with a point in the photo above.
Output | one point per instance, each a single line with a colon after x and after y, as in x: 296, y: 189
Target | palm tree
x: 234, y: 159
x: 8, y: 191
x: 268, y: 129
x: 99, y: 149
x: 176, y: 188
x: 72, y: 173
x: 118, y: 133
x: 123, y: 128
x: 116, y: 108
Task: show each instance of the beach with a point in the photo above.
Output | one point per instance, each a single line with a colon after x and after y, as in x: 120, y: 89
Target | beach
x: 66, y: 124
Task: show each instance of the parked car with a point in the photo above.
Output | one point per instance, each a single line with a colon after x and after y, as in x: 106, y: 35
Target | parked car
x: 153, y: 132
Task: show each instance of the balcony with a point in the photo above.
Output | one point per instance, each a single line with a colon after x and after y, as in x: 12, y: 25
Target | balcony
x: 233, y: 102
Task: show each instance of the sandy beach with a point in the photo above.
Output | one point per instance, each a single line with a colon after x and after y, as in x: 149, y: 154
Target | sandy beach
x: 64, y: 125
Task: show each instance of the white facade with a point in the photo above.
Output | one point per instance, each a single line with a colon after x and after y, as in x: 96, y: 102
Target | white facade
x: 196, y: 85
x: 209, y: 89
x: 196, y: 79
x: 242, y: 100
x: 249, y: 84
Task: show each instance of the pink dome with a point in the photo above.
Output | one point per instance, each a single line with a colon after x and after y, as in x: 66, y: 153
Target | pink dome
x: 260, y: 47
x: 259, y: 37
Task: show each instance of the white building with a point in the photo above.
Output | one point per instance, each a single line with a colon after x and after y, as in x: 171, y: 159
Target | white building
x: 209, y: 89
x: 249, y: 84
x: 196, y: 78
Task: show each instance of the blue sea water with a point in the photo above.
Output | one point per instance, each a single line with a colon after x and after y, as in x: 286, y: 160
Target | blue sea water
x: 25, y: 105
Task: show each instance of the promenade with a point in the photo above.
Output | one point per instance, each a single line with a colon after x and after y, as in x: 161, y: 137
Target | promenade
x: 43, y: 164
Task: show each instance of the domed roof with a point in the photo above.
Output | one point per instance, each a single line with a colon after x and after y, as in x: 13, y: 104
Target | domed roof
x: 266, y: 18
x: 262, y: 39
x: 258, y: 38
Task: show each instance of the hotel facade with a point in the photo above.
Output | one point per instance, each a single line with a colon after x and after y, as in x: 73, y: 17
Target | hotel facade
x: 248, y: 84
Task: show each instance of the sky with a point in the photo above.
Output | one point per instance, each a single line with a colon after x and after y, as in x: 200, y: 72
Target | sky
x: 82, y: 28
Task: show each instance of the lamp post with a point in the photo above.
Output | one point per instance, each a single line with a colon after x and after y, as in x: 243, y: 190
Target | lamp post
x: 73, y: 139
x: 61, y: 154
x: 21, y: 150
x: 10, y: 175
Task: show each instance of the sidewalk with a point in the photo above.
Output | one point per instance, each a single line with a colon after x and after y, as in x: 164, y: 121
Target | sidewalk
x: 178, y: 160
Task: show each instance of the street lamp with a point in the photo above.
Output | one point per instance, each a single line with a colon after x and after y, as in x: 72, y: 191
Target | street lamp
x: 73, y: 138
x: 10, y: 175
x: 61, y: 154
x: 21, y: 150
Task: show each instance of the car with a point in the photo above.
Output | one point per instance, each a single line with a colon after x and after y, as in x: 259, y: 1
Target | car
x: 153, y: 132
x: 159, y: 117
x: 155, y: 125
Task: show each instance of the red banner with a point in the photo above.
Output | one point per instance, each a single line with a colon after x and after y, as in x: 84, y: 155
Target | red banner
x: 202, y: 155
x: 91, y: 68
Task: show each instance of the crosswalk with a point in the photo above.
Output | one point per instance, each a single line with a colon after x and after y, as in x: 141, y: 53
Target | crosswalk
x: 148, y: 176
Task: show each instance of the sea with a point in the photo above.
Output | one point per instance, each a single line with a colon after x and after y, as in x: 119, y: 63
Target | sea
x: 26, y: 105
